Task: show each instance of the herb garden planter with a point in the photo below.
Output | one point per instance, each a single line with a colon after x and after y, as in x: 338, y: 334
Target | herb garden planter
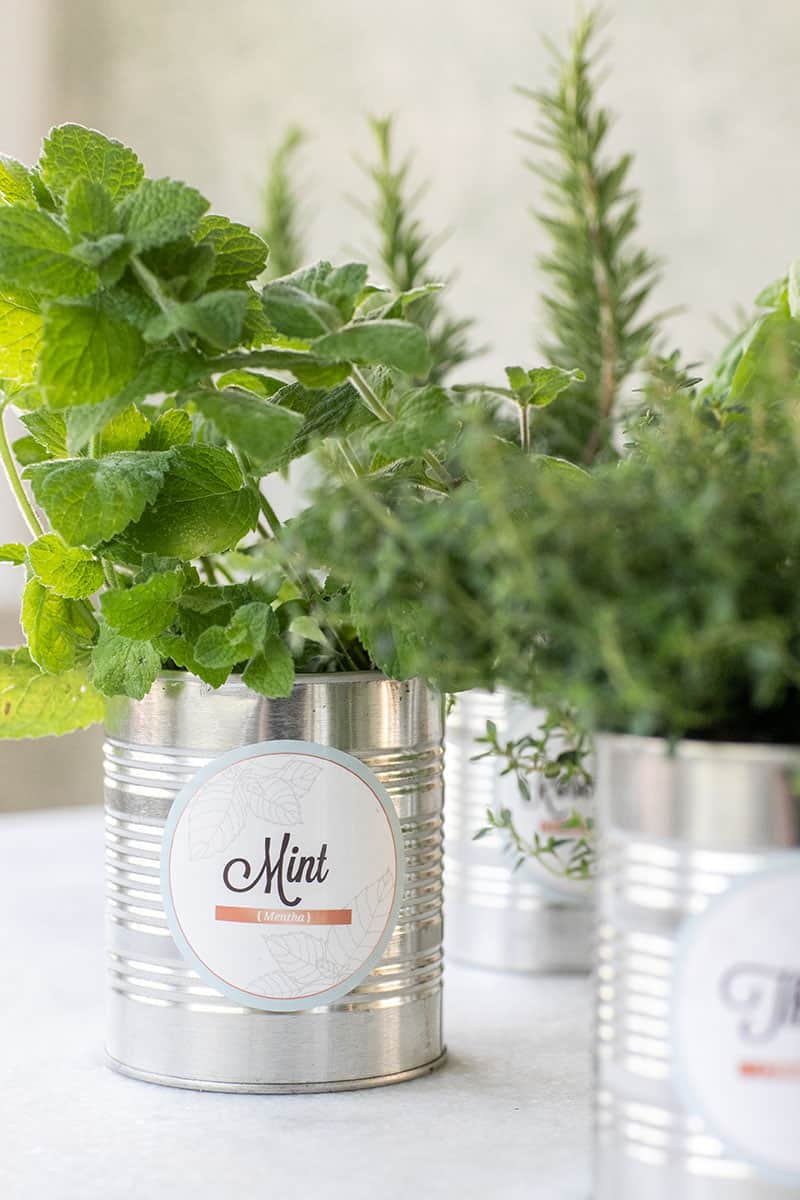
x: 698, y: 978
x: 527, y: 919
x: 232, y: 821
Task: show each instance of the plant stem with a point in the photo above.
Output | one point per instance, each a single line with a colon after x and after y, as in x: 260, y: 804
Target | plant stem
x: 208, y: 570
x: 379, y: 410
x: 15, y: 483
x: 524, y: 427
x: 152, y: 286
x: 346, y: 451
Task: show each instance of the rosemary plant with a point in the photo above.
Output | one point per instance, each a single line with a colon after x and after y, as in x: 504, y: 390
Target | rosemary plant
x: 599, y: 278
x: 281, y: 226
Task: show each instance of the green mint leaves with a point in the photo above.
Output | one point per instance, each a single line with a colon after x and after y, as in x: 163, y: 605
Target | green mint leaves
x: 33, y: 704
x: 72, y: 152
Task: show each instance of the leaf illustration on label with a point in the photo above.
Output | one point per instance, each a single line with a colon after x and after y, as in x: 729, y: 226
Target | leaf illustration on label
x: 217, y: 816
x: 349, y: 945
x: 303, y: 960
x: 273, y: 984
x: 275, y: 795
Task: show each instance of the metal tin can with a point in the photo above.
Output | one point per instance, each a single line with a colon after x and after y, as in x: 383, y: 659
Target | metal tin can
x: 527, y: 919
x: 166, y: 1024
x: 681, y: 833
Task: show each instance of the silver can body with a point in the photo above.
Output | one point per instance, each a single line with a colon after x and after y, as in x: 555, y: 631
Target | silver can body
x: 165, y: 1024
x: 497, y: 917
x: 676, y: 831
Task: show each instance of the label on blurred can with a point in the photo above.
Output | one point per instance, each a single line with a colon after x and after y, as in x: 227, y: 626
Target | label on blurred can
x: 736, y: 1017
x: 282, y: 873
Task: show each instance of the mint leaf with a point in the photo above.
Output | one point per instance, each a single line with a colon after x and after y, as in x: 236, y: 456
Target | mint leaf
x: 146, y: 609
x: 240, y: 254
x: 271, y: 673
x: 160, y: 211
x: 89, y: 501
x: 216, y: 318
x: 311, y: 371
x: 172, y: 428
x: 261, y: 429
x: 16, y: 186
x: 35, y: 254
x: 244, y: 635
x: 424, y: 419
x: 125, y: 431
x: 33, y: 704
x: 203, y: 507
x: 251, y: 381
x: 297, y: 313
x: 89, y: 210
x: 13, y: 552
x: 88, y: 355
x: 179, y: 650
x: 20, y: 335
x: 49, y: 429
x: 69, y: 571
x: 27, y: 450
x: 55, y: 628
x: 72, y: 150
x: 341, y: 286
x: 387, y: 343
x: 541, y: 385
x: 123, y: 666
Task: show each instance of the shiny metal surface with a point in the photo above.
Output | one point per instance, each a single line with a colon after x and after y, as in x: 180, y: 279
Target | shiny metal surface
x: 524, y: 920
x: 676, y: 830
x: 165, y: 1024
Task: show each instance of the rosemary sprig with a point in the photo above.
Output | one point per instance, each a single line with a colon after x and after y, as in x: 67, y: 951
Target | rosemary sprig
x: 600, y: 279
x: 282, y: 225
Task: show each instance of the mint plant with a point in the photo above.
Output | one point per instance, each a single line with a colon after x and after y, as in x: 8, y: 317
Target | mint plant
x: 158, y: 385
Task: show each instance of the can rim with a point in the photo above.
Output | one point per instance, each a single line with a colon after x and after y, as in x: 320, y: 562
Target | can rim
x: 694, y: 748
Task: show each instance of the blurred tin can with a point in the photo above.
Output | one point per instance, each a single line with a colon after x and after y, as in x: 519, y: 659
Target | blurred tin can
x: 166, y: 1023
x: 698, y: 972
x: 528, y: 919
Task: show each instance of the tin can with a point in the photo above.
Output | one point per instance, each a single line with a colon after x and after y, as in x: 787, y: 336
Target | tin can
x: 166, y: 1024
x: 698, y: 971
x: 524, y: 919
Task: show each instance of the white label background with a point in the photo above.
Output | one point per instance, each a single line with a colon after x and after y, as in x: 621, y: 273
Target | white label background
x: 317, y: 795
x: 738, y: 1066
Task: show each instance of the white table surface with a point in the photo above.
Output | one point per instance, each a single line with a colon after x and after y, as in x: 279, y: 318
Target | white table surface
x: 507, y: 1117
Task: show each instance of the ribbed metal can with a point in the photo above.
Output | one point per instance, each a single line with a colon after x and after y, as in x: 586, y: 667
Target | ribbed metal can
x: 166, y: 1024
x: 514, y: 920
x: 698, y: 978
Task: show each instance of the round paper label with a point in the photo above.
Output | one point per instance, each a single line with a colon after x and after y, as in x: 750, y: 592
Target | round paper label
x: 736, y: 1017
x: 282, y: 873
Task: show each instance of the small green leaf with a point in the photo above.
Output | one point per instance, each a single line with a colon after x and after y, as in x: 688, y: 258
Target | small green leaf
x: 297, y: 313
x: 33, y: 704
x: 244, y: 636
x: 108, y: 256
x: 50, y: 430
x: 541, y: 385
x: 125, y: 431
x: 27, y: 451
x: 69, y: 571
x: 55, y: 628
x: 386, y: 343
x: 172, y: 428
x: 145, y: 610
x: 70, y: 151
x: 89, y: 501
x: 261, y: 429
x: 179, y: 649
x: 251, y: 381
x: 271, y: 673
x: 161, y: 211
x: 89, y: 210
x: 35, y: 255
x: 88, y: 355
x: 239, y: 254
x: 306, y: 627
x: 216, y: 318
x: 123, y: 666
x: 16, y: 185
x: 13, y: 552
x: 20, y: 335
x: 203, y: 507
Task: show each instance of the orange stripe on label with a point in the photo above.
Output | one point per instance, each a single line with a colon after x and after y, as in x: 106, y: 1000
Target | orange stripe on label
x: 284, y: 916
x: 770, y: 1070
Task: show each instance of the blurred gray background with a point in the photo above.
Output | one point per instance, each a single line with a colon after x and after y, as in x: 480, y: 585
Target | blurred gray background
x: 705, y: 92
